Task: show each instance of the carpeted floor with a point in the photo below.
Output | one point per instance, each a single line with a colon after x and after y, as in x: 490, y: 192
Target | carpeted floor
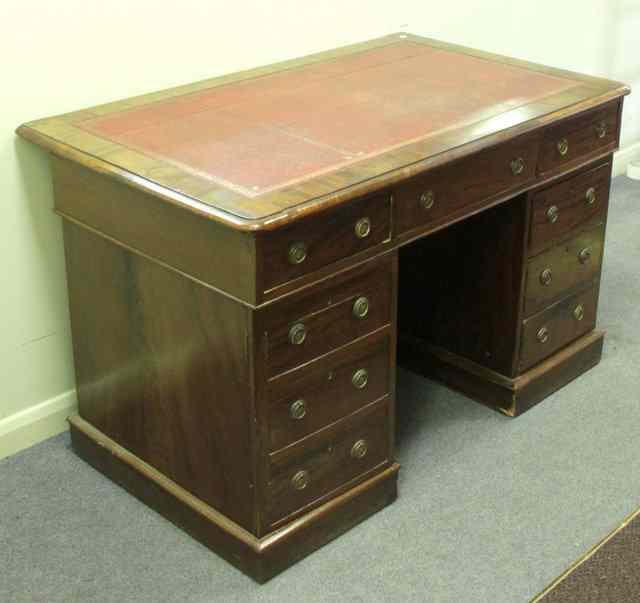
x: 490, y: 509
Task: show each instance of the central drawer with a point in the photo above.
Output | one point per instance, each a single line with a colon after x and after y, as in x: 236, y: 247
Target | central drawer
x: 449, y: 191
x: 343, y: 308
x: 310, y: 472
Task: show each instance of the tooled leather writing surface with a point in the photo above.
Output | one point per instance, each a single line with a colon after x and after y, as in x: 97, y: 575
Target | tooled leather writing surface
x: 261, y: 134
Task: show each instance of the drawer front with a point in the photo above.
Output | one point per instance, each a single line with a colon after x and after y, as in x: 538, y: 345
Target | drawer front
x: 557, y: 210
x: 310, y: 244
x: 559, y: 325
x: 446, y: 192
x: 303, y: 474
x: 332, y: 314
x: 578, y: 137
x: 559, y: 270
x: 319, y: 394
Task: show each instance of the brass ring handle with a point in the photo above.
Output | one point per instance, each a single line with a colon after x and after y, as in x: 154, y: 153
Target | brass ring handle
x: 359, y: 449
x: 601, y: 129
x: 297, y: 334
x: 361, y: 307
x: 297, y: 253
x: 298, y: 409
x: 363, y: 228
x: 585, y: 255
x: 590, y: 196
x: 563, y: 146
x: 300, y: 480
x: 553, y: 214
x: 517, y: 166
x: 360, y: 379
x: 546, y: 277
x: 427, y: 199
x: 578, y: 312
x: 543, y: 335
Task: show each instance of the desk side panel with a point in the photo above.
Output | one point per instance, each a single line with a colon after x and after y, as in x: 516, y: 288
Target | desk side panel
x: 201, y: 248
x: 162, y: 369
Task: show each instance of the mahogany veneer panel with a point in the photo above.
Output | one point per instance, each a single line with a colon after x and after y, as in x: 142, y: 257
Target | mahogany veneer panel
x: 161, y: 368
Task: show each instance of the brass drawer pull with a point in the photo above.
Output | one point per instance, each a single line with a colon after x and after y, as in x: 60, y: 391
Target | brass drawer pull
x: 427, y: 199
x: 546, y: 277
x: 543, y: 335
x: 563, y: 146
x: 298, y: 409
x: 578, y: 312
x: 363, y: 228
x: 517, y: 166
x: 601, y: 129
x: 300, y: 480
x: 553, y: 214
x: 360, y: 379
x: 297, y: 334
x: 590, y: 196
x: 585, y: 255
x: 359, y: 449
x: 361, y: 307
x: 297, y: 253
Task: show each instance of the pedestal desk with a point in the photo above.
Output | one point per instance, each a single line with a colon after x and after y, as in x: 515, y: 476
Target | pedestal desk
x: 248, y: 255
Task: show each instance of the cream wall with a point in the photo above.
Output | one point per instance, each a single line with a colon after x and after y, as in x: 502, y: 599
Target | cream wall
x: 62, y: 56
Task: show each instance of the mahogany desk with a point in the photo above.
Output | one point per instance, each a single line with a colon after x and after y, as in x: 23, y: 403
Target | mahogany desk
x: 245, y: 255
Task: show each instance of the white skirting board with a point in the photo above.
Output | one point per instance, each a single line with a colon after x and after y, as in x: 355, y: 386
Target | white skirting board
x: 625, y: 156
x: 30, y: 426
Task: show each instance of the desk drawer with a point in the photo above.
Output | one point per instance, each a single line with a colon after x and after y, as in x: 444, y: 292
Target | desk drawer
x: 343, y: 308
x: 319, y: 394
x: 447, y: 191
x: 558, y: 210
x: 578, y: 137
x: 558, y: 271
x: 559, y: 325
x: 312, y: 243
x: 307, y: 472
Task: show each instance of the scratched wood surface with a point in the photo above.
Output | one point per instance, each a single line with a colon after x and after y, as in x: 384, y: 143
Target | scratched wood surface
x: 255, y: 148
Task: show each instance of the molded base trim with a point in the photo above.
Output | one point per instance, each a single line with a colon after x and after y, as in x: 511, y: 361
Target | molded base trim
x: 259, y: 558
x: 511, y: 396
x: 28, y: 427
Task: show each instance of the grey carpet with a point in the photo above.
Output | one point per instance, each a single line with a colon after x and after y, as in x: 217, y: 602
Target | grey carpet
x: 490, y: 509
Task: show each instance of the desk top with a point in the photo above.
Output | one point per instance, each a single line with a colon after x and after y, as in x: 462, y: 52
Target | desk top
x: 258, y: 148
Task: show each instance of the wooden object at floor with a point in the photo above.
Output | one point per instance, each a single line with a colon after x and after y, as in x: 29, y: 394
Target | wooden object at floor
x: 246, y: 254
